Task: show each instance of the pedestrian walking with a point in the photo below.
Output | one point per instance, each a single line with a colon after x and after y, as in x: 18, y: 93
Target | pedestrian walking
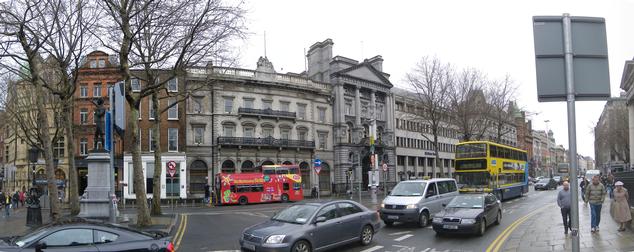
x: 583, y: 184
x: 7, y: 203
x: 620, y: 206
x: 564, y: 199
x: 15, y: 199
x: 595, y: 195
x: 206, y: 193
x: 610, y: 185
x: 22, y: 197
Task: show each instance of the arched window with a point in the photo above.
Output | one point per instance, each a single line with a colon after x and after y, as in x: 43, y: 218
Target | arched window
x: 304, y: 168
x: 228, y: 166
x: 248, y: 166
x: 197, y: 177
x: 287, y: 163
x: 268, y: 162
x: 349, y: 132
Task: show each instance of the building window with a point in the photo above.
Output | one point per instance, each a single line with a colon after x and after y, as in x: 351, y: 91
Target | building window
x: 136, y: 85
x: 301, y: 111
x: 285, y: 134
x: 197, y: 105
x: 172, y: 112
x: 172, y: 139
x: 102, y: 63
x: 199, y: 132
x: 322, y: 136
x: 58, y: 148
x: 301, y: 135
x: 228, y: 104
x: 248, y: 103
x: 172, y: 85
x: 227, y: 130
x: 285, y: 106
x: 267, y: 104
x: 83, y: 147
x: 93, y: 64
x: 83, y: 116
x: 267, y: 132
x: 349, y: 107
x: 83, y: 91
x: 249, y: 131
x: 322, y: 115
x: 151, y: 141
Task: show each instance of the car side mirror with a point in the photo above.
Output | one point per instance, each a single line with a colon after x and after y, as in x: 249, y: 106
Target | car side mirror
x: 320, y: 219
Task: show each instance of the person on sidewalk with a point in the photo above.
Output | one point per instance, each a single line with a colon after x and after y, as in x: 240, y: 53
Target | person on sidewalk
x: 206, y: 193
x: 7, y: 203
x: 609, y: 183
x: 564, y: 199
x: 584, y: 182
x: 15, y: 199
x: 620, y: 206
x: 22, y: 197
x: 595, y: 195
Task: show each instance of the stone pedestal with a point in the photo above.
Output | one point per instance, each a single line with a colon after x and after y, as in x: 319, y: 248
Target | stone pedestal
x: 96, y: 201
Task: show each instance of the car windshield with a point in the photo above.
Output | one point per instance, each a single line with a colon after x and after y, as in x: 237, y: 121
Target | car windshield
x: 298, y: 214
x: 409, y: 189
x: 545, y: 181
x: 467, y: 201
x: 26, y: 239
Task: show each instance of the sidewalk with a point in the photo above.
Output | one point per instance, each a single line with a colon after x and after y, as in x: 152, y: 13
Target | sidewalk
x: 545, y: 232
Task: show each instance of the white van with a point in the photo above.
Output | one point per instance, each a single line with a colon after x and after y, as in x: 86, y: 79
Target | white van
x: 592, y: 173
x: 417, y: 200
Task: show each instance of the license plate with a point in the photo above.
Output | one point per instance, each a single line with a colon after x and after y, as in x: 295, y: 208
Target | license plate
x: 449, y: 226
x: 249, y: 246
x: 392, y: 217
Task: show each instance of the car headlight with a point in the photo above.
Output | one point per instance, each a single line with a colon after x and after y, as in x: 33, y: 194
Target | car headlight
x: 382, y: 205
x: 468, y: 221
x: 275, y: 239
x: 413, y: 206
x: 437, y: 219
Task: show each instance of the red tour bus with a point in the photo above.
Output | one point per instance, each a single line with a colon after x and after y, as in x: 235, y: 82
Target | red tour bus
x: 274, y: 184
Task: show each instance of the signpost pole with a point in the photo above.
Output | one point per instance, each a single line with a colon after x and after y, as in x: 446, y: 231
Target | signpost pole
x: 113, y: 210
x: 572, y: 130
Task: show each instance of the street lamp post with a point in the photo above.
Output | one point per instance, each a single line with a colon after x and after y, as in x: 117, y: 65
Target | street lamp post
x: 34, y: 211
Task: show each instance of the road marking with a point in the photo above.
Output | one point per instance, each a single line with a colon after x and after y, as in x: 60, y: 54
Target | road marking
x: 427, y: 249
x: 403, y: 237
x: 372, y: 249
x: 499, y: 241
x: 401, y: 233
x: 182, y: 233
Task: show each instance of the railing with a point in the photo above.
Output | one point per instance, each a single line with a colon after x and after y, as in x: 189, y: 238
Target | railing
x: 270, y: 141
x: 267, y: 112
x: 294, y: 80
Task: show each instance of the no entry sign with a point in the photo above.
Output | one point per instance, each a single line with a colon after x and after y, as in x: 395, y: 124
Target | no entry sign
x: 171, y: 168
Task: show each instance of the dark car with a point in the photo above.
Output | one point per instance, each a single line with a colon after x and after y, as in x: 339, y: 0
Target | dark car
x: 468, y: 213
x: 546, y: 184
x: 83, y: 235
x: 309, y: 227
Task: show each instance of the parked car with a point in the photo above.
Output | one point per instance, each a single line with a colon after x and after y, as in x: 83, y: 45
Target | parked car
x: 468, y: 213
x: 558, y: 180
x: 546, y: 184
x: 313, y: 227
x: 84, y: 235
x: 417, y: 200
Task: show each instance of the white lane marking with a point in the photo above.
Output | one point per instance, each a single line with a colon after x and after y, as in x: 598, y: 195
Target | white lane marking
x: 372, y: 249
x: 401, y: 233
x: 403, y: 237
x: 427, y: 249
x: 430, y: 227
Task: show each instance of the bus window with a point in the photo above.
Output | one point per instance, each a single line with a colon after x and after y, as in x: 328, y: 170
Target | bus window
x: 294, y: 170
x: 296, y: 186
x: 257, y: 188
x: 233, y: 188
x: 268, y: 171
x: 285, y: 187
x: 281, y: 171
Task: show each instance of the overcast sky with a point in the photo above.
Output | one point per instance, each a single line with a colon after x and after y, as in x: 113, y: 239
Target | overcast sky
x: 493, y: 36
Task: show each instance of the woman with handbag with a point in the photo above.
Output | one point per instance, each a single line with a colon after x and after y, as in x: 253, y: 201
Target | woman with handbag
x: 620, y: 206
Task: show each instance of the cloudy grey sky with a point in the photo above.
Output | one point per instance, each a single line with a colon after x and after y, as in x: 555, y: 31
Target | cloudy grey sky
x: 493, y: 36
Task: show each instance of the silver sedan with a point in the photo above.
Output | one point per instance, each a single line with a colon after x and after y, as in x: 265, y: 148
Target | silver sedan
x: 309, y: 227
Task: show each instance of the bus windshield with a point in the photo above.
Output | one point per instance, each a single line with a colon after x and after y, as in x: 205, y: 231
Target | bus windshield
x: 471, y: 150
x: 473, y: 179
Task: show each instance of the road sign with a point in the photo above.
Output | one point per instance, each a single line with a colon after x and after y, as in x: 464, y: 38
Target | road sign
x: 384, y: 166
x: 317, y: 169
x: 171, y: 168
x: 317, y: 163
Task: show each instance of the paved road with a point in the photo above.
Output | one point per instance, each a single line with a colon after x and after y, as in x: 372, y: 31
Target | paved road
x: 218, y: 229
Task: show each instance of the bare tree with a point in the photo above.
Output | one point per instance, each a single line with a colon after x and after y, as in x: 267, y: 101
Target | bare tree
x: 432, y: 81
x: 499, y: 96
x: 163, y: 39
x: 469, y: 110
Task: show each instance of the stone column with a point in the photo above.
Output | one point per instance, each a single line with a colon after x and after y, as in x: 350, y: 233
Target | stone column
x: 373, y: 104
x: 630, y: 112
x: 406, y: 167
x: 357, y: 107
x: 416, y: 166
x: 97, y: 202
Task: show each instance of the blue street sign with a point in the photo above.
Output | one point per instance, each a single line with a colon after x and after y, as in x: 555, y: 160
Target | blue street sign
x: 108, y: 132
x: 317, y: 163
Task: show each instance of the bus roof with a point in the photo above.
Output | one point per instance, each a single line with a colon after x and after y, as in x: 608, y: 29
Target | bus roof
x: 491, y: 143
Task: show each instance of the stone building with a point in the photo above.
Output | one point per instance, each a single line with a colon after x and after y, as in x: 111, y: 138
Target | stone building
x: 611, y: 137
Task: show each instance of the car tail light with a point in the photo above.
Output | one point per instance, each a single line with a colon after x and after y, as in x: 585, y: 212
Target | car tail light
x: 170, y: 247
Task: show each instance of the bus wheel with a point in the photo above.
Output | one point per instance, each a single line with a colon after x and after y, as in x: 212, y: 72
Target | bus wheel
x: 285, y: 197
x: 243, y: 200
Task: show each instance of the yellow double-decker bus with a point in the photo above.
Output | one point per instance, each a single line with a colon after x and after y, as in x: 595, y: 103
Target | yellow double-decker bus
x: 483, y: 166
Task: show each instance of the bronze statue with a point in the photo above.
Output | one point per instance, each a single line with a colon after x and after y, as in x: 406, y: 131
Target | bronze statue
x: 99, y: 121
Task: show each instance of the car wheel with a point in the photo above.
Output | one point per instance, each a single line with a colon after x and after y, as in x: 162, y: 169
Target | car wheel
x: 439, y: 233
x: 243, y: 200
x: 388, y: 223
x: 483, y: 227
x: 285, y: 197
x: 423, y: 219
x: 498, y: 219
x: 367, y: 234
x: 301, y: 246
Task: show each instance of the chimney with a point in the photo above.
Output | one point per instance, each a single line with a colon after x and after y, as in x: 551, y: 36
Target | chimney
x: 319, y: 56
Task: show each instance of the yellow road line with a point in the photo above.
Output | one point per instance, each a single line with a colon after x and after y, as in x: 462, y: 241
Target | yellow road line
x: 182, y: 232
x: 499, y: 241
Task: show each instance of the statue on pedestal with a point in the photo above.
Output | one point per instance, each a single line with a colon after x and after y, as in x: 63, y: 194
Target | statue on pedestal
x: 99, y: 121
